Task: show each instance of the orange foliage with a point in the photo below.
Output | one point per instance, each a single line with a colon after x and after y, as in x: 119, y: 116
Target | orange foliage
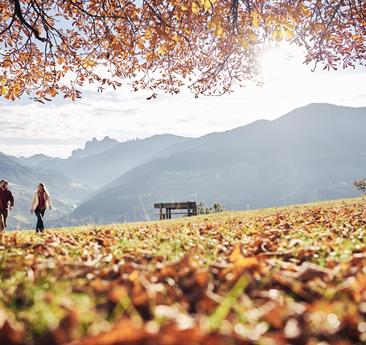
x: 54, y: 47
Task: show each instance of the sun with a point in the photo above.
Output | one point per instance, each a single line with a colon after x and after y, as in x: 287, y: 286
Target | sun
x: 283, y: 61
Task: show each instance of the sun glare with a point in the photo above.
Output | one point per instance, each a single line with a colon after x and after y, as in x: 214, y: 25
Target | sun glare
x: 281, y: 62
x: 285, y: 79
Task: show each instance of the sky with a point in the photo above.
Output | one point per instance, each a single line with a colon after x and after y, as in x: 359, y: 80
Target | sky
x: 58, y: 128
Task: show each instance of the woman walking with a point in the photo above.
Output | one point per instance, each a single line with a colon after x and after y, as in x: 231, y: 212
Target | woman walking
x: 41, y: 201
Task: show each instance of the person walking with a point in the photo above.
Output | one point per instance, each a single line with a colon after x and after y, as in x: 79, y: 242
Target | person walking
x: 41, y: 201
x: 2, y: 225
x: 6, y: 203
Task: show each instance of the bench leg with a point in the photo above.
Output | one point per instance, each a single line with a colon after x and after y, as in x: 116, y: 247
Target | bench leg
x: 168, y: 213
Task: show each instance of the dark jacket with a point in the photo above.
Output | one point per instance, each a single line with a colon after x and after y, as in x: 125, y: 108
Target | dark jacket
x: 6, y: 199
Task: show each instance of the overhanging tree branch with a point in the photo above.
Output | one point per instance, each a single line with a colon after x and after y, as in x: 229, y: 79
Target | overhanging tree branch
x: 18, y: 13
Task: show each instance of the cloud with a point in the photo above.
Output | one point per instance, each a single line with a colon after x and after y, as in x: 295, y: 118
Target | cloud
x: 57, y: 128
x: 28, y: 150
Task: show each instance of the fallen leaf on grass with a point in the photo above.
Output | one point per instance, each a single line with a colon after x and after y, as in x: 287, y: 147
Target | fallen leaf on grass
x: 11, y: 333
x: 124, y: 333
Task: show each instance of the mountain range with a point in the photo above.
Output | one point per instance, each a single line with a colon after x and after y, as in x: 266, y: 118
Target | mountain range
x: 312, y: 153
x: 100, y: 162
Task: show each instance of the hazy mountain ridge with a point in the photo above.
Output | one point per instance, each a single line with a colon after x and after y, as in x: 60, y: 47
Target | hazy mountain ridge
x: 311, y: 153
x: 94, y: 147
x: 34, y: 160
x: 101, y: 168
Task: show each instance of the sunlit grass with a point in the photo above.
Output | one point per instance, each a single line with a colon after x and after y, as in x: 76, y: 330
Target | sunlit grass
x: 45, y: 276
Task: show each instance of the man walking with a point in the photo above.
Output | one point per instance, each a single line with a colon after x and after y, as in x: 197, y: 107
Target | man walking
x: 6, y: 203
x: 2, y: 224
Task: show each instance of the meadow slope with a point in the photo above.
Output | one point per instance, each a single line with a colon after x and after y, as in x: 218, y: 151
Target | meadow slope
x: 290, y: 275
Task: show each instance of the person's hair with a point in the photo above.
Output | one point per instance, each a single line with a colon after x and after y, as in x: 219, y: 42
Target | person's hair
x: 41, y: 184
x: 4, y: 181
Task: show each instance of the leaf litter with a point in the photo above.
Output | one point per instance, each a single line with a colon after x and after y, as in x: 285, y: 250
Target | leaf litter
x: 279, y: 276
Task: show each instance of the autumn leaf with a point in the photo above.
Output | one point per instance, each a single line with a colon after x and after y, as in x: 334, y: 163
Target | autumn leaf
x: 3, y: 90
x: 53, y: 92
x: 195, y: 7
x: 219, y: 31
x: 255, y: 19
x: 240, y: 261
x: 125, y: 332
x: 207, y: 5
x: 162, y: 50
x: 278, y: 34
x: 6, y: 63
x: 89, y: 63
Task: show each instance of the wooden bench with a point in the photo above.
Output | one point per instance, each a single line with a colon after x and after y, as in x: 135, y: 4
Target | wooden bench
x: 167, y: 207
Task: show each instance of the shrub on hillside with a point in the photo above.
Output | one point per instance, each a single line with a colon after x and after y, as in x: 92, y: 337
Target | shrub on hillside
x: 216, y: 208
x: 360, y: 185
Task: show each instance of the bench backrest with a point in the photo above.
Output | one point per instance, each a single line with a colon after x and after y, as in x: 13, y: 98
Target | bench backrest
x: 177, y: 205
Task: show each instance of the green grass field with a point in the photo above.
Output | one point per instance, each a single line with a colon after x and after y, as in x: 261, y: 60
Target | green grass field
x: 294, y: 275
